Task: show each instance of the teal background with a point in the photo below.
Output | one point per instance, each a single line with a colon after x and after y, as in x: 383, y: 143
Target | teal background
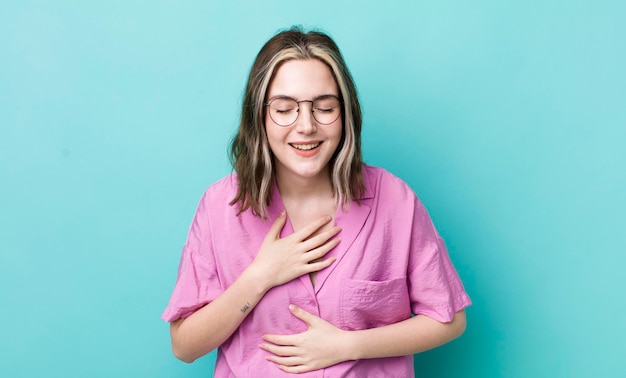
x: 507, y: 118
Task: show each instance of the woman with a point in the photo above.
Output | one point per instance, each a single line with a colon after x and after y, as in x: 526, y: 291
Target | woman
x: 306, y: 260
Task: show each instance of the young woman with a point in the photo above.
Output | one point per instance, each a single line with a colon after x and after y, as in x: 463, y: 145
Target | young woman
x: 306, y: 260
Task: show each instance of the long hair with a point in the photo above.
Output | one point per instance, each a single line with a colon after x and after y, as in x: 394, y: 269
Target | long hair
x: 250, y: 153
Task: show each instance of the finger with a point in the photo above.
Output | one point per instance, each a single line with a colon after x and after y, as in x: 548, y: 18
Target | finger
x: 283, y: 340
x: 278, y: 225
x: 317, y: 256
x: 320, y: 239
x: 319, y: 265
x: 296, y: 369
x: 319, y: 251
x: 301, y: 314
x: 282, y: 351
x: 310, y: 228
x: 285, y: 362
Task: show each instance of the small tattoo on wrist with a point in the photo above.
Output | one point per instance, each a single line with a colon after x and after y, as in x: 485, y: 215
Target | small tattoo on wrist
x: 245, y: 307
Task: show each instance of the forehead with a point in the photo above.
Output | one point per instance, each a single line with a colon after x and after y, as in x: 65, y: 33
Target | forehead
x: 303, y: 79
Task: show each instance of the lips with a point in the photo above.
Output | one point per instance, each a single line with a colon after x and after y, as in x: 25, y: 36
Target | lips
x: 305, y: 146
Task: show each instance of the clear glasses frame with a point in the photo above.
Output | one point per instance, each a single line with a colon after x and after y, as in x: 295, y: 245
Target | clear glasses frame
x: 284, y: 111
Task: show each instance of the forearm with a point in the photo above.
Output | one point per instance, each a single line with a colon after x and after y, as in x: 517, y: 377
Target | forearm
x: 411, y: 336
x: 279, y: 260
x: 210, y: 326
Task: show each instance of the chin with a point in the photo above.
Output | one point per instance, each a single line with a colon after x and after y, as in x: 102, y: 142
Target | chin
x: 308, y: 172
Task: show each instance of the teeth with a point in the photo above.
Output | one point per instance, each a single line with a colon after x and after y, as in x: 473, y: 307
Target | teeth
x: 305, y: 147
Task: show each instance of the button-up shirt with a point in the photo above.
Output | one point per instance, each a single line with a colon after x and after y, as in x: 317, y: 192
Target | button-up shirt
x: 391, y: 263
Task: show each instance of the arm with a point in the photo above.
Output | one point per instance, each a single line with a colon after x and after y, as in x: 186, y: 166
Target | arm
x: 415, y: 335
x: 278, y: 261
x: 211, y: 325
x: 323, y: 344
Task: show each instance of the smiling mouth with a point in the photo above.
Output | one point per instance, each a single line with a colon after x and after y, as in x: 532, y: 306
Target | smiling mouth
x: 305, y: 147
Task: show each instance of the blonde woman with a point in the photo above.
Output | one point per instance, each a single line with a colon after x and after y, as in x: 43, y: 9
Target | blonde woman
x: 306, y: 260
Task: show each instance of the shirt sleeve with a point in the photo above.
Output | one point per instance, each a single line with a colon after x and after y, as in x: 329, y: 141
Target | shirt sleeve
x: 435, y: 288
x: 198, y: 282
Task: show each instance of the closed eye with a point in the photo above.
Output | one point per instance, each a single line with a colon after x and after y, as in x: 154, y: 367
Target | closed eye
x: 324, y: 110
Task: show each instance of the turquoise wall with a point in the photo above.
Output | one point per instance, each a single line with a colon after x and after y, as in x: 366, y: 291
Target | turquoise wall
x: 507, y: 118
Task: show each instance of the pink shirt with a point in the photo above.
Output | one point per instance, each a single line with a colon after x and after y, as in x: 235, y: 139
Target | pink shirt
x: 390, y: 263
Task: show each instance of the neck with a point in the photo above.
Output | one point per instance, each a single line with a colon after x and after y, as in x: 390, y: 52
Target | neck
x: 304, y: 188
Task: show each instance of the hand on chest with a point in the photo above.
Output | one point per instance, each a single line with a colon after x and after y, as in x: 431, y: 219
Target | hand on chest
x: 299, y: 215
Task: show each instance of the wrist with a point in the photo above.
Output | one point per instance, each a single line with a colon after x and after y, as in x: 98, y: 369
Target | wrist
x: 351, y: 346
x: 256, y: 280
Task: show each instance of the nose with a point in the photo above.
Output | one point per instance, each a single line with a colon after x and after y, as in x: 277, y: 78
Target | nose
x: 305, y: 123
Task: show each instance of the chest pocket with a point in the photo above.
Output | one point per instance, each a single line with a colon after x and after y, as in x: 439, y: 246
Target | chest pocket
x: 370, y: 304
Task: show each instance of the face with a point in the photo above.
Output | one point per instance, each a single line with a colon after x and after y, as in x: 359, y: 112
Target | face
x: 303, y: 149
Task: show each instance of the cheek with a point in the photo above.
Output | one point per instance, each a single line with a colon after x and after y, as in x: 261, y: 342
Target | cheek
x: 275, y: 135
x: 338, y: 135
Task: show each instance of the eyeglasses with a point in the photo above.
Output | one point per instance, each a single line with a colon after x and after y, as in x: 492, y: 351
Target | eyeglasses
x: 284, y: 111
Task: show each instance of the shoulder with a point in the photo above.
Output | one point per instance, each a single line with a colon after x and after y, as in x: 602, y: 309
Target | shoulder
x: 225, y: 186
x: 383, y: 184
x: 393, y: 198
x: 220, y: 193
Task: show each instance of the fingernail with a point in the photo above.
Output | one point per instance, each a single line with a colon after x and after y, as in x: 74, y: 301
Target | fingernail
x: 282, y: 214
x: 292, y: 307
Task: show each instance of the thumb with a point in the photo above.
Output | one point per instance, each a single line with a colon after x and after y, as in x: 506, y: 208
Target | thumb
x: 301, y: 314
x: 278, y: 225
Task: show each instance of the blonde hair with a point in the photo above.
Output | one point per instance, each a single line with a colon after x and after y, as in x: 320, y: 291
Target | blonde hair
x: 250, y: 153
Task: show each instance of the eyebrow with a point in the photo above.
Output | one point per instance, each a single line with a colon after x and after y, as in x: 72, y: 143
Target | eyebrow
x: 291, y: 98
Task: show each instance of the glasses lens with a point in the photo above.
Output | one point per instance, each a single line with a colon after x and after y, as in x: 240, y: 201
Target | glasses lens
x: 326, y: 110
x: 284, y: 111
